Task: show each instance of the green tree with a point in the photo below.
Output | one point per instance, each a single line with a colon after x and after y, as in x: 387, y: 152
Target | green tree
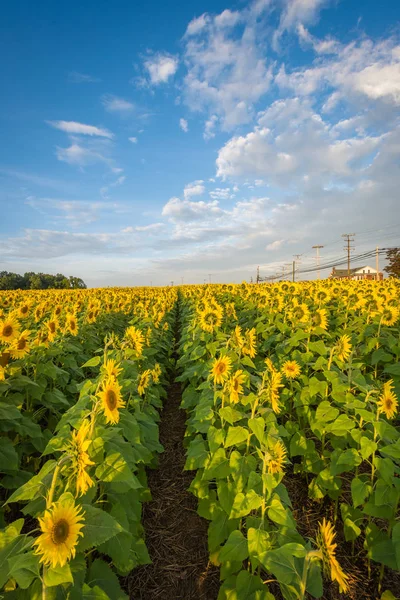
x: 393, y: 257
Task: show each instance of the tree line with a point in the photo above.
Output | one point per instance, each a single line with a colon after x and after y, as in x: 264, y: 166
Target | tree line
x: 39, y: 281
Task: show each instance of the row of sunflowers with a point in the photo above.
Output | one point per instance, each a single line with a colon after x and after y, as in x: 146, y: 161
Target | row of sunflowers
x: 82, y: 378
x: 293, y: 433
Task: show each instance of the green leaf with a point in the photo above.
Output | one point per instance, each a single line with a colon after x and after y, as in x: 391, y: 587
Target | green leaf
x: 392, y: 450
x: 380, y: 355
x: 115, y: 469
x: 99, y: 526
x: 231, y: 415
x: 24, y: 568
x: 58, y: 575
x: 235, y: 548
x: 367, y: 447
x: 326, y: 412
x: 93, y: 362
x: 279, y: 514
x: 94, y: 593
x: 281, y: 562
x: 341, y: 426
x: 35, y: 486
x: 244, y: 504
x: 257, y: 426
x: 360, y: 490
x: 197, y: 454
x: 236, y: 436
x: 101, y: 575
x: 259, y: 544
x: 393, y: 369
x: 298, y: 444
x: 218, y: 467
x: 8, y: 456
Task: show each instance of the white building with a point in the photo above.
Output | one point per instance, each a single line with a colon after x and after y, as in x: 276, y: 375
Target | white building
x: 358, y: 273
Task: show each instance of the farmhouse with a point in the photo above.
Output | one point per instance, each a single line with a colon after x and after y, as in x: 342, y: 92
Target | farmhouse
x: 357, y: 273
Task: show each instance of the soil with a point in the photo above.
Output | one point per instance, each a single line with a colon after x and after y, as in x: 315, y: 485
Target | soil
x: 176, y: 536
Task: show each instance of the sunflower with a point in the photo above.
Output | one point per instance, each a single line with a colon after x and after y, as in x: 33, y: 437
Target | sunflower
x: 235, y: 386
x: 237, y: 338
x: 23, y: 310
x: 291, y: 369
x: 144, y: 382
x: 249, y: 344
x: 277, y: 457
x: 325, y: 542
x: 2, y: 373
x: 221, y: 369
x: 52, y: 327
x: 58, y: 310
x: 112, y: 368
x: 387, y: 402
x: 71, y: 323
x: 81, y: 461
x: 301, y: 313
x: 320, y: 318
x: 136, y: 339
x: 20, y: 346
x: 272, y: 389
x: 210, y: 319
x: 390, y: 315
x: 61, y: 527
x: 155, y: 373
x: 111, y: 398
x: 9, y: 329
x: 343, y: 347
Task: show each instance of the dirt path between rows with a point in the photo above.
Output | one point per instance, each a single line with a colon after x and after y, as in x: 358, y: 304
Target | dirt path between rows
x: 176, y: 536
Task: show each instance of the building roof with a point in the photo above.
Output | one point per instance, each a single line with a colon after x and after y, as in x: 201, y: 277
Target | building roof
x: 343, y: 272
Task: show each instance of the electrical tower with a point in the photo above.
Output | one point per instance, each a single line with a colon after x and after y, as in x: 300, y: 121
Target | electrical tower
x: 348, y: 237
x: 296, y: 260
x: 317, y: 247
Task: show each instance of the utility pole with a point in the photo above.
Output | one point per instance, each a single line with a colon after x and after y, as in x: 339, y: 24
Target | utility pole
x: 293, y: 269
x: 348, y: 238
x: 258, y: 274
x: 377, y: 263
x: 296, y: 260
x: 317, y: 248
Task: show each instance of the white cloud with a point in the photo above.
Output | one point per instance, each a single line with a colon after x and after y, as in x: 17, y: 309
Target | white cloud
x: 115, y: 104
x: 291, y: 141
x: 186, y: 210
x: 183, y: 124
x: 209, y: 127
x: 227, y: 69
x: 161, y: 67
x: 133, y: 140
x: 197, y: 24
x: 221, y: 194
x: 75, y: 212
x: 196, y: 188
x: 274, y: 245
x: 72, y: 127
x: 297, y: 12
x: 361, y: 70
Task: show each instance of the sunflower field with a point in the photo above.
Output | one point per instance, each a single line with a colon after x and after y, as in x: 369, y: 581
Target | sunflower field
x: 291, y: 395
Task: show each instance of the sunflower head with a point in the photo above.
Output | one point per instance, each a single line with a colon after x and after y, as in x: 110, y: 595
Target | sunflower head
x: 221, y: 369
x: 390, y: 315
x: 291, y: 369
x: 320, y: 318
x: 9, y: 329
x: 210, y: 319
x: 61, y: 527
x: 387, y: 403
x: 235, y: 386
x: 20, y: 347
x: 144, y: 381
x: 111, y: 399
x: 249, y: 344
x: 325, y: 542
x: 343, y: 347
x: 276, y: 457
x: 111, y: 368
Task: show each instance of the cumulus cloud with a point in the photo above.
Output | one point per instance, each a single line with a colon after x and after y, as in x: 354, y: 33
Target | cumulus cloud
x: 72, y: 127
x: 291, y: 141
x: 76, y: 77
x: 196, y: 188
x: 161, y: 67
x: 133, y: 140
x: 183, y: 124
x: 296, y: 13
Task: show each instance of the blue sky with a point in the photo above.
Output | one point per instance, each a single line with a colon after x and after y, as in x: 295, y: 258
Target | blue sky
x: 178, y: 139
